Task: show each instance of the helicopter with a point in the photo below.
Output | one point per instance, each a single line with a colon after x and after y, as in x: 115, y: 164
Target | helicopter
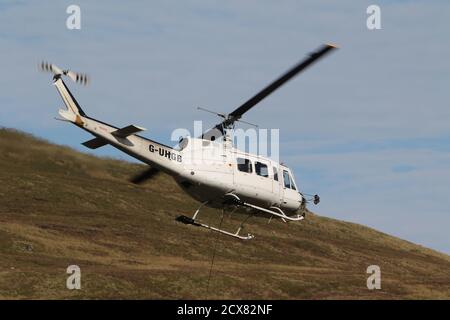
x: 229, y: 179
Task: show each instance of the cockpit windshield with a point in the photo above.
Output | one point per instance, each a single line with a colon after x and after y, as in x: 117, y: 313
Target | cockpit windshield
x: 288, y: 180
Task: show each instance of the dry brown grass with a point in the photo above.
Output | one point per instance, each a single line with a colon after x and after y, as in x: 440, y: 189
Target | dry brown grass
x: 60, y: 207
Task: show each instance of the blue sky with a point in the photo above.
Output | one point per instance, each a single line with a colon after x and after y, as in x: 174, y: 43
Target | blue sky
x: 367, y: 128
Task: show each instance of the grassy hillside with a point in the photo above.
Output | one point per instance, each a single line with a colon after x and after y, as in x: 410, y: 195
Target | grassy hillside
x: 59, y: 207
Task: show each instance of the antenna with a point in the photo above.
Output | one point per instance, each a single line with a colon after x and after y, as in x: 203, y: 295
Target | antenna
x: 222, y: 115
x: 252, y: 124
x: 225, y: 116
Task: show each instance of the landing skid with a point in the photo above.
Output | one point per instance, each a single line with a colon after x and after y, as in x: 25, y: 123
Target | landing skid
x: 193, y: 221
x: 236, y: 201
x: 273, y: 211
x: 187, y: 220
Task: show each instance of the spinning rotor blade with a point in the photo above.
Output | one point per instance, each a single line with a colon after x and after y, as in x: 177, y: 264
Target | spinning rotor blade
x: 218, y: 130
x: 324, y: 49
x: 145, y: 175
x: 76, y: 77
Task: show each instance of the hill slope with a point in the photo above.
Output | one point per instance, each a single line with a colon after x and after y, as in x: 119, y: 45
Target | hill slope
x: 59, y: 207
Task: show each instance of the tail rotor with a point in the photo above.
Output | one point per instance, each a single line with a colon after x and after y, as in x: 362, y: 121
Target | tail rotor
x: 80, y: 78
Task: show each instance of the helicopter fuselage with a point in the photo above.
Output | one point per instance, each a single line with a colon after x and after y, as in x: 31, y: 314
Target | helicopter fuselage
x: 212, y: 169
x: 208, y: 170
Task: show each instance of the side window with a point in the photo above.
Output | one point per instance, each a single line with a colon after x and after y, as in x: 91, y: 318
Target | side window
x: 261, y: 169
x: 244, y: 165
x: 275, y: 174
x: 287, y: 182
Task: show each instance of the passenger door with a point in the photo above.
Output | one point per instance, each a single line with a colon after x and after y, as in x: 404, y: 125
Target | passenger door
x: 244, y: 177
x: 264, y: 182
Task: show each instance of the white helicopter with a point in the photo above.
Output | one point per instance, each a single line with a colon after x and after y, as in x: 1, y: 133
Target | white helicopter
x: 228, y: 179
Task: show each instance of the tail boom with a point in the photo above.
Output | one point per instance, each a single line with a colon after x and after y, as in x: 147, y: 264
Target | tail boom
x: 125, y: 139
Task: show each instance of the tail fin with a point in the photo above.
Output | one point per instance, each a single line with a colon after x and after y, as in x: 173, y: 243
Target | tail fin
x: 74, y: 110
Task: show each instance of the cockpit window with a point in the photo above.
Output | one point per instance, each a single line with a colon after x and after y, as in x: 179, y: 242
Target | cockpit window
x: 261, y: 169
x: 244, y: 165
x: 287, y: 181
x: 292, y: 183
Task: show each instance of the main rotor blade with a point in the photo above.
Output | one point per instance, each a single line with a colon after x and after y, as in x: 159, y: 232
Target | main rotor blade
x: 145, y: 175
x: 322, y: 51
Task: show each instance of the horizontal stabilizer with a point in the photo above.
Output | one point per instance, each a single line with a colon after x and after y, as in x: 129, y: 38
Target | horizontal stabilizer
x: 95, y: 143
x: 126, y: 131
